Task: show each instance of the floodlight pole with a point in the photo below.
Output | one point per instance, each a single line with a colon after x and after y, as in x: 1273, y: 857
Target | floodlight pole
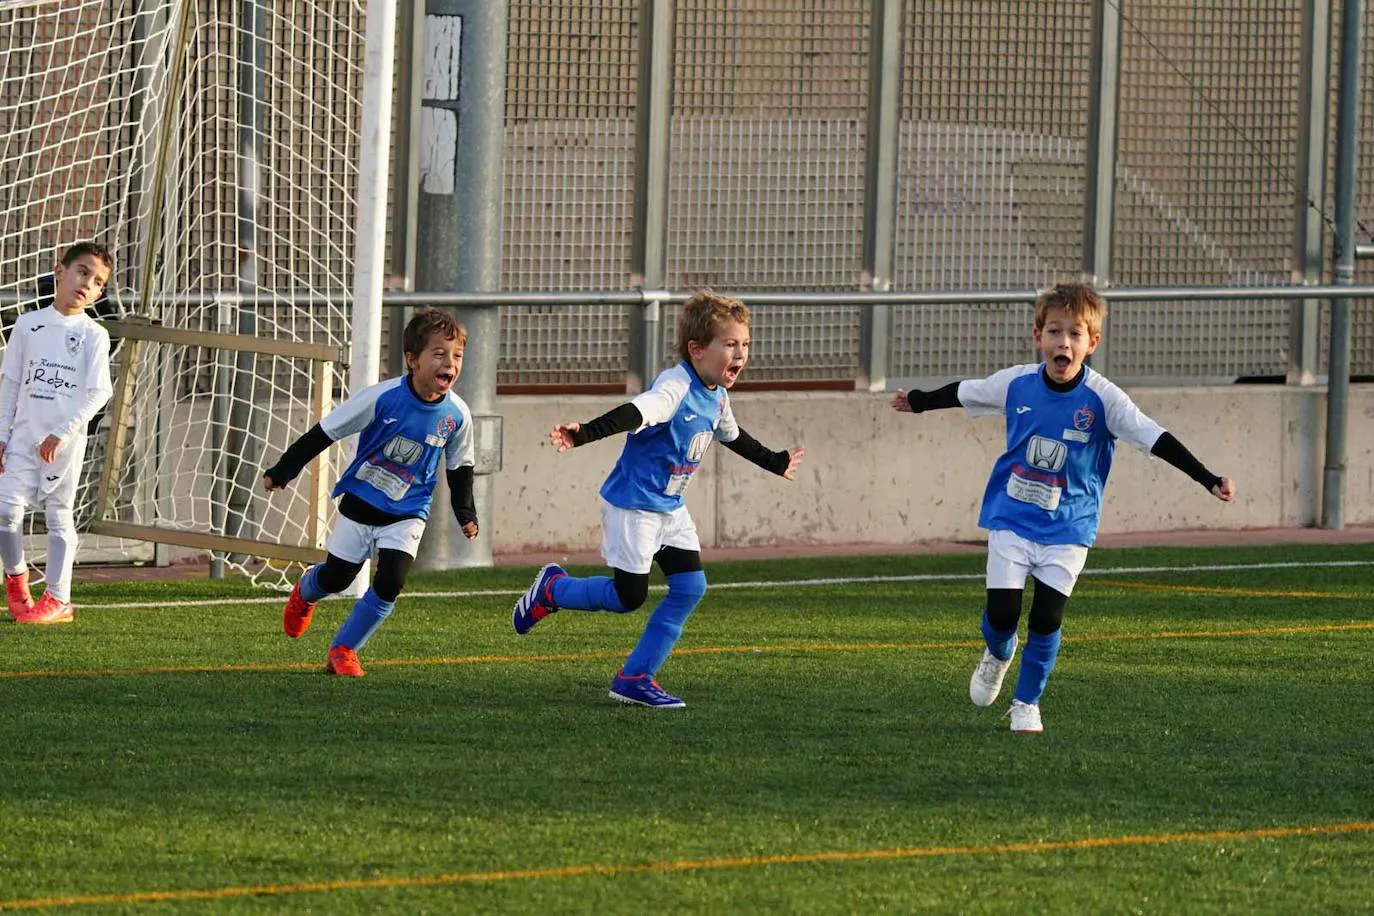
x: 1343, y: 274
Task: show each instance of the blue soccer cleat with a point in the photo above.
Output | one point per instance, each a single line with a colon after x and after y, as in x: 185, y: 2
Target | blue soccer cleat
x: 537, y: 603
x: 642, y: 690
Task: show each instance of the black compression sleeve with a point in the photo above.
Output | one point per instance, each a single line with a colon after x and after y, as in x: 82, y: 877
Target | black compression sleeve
x: 746, y: 446
x: 622, y: 419
x: 1172, y: 451
x: 301, y: 453
x: 922, y: 401
x: 460, y: 494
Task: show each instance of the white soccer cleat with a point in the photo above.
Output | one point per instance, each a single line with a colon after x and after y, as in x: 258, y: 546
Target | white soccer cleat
x: 986, y: 682
x: 1025, y: 718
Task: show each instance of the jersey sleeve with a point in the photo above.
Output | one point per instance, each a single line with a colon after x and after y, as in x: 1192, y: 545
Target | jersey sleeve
x: 661, y: 401
x: 1125, y: 420
x: 353, y: 415
x: 727, y: 430
x: 460, y: 450
x: 987, y: 397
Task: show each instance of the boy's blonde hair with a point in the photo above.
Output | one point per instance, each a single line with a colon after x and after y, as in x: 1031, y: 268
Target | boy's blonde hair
x: 1080, y: 300
x: 703, y: 314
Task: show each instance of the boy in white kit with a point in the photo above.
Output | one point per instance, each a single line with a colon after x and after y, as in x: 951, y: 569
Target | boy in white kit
x: 54, y: 378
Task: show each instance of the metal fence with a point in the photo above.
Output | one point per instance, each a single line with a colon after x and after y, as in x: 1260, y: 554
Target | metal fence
x: 770, y: 122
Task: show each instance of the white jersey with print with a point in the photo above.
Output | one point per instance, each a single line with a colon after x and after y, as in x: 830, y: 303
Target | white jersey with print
x: 1047, y: 487
x: 61, y: 365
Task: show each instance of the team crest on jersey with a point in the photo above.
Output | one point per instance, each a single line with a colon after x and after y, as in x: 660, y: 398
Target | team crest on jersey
x: 446, y: 427
x: 73, y: 343
x: 1083, y: 419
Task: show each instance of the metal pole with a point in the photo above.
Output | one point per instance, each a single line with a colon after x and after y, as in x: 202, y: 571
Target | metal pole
x: 1099, y: 206
x: 410, y: 76
x: 1310, y: 192
x: 1343, y: 274
x: 462, y: 148
x: 653, y: 127
x: 369, y: 252
x: 880, y: 188
x: 243, y: 457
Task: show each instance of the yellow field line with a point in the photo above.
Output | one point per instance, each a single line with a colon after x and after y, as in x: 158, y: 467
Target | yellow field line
x: 763, y: 649
x: 1235, y: 592
x: 578, y: 871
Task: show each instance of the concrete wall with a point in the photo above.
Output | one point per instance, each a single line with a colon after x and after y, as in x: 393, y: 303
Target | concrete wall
x: 873, y: 475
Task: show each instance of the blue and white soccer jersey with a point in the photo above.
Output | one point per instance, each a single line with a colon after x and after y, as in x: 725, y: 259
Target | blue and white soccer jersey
x: 643, y: 494
x: 1047, y: 487
x: 402, y: 442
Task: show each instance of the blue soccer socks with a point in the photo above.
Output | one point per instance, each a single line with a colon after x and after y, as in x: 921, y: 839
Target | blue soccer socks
x: 685, y: 591
x: 1001, y: 643
x: 369, y: 612
x: 592, y: 593
x: 1037, y: 661
x: 310, y: 585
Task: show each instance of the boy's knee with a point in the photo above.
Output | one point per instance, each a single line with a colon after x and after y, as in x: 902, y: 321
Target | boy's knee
x: 60, y: 521
x: 632, y: 591
x: 690, y: 586
x: 11, y: 516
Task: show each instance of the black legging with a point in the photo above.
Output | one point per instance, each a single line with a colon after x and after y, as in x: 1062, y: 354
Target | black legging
x: 1047, y: 608
x: 392, y: 568
x: 633, y: 588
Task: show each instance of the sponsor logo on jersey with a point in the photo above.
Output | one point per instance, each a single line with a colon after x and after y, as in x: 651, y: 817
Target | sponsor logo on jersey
x: 38, y: 327
x: 1024, y: 409
x: 403, y: 451
x: 688, y: 417
x: 1046, y: 454
x: 1083, y: 419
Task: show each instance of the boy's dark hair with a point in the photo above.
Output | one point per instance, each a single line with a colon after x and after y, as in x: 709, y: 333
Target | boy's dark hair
x: 425, y: 323
x: 1080, y: 300
x: 702, y: 314
x: 94, y: 249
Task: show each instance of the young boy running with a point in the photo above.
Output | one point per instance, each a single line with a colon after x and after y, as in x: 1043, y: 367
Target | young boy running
x: 406, y: 427
x: 1043, y: 500
x: 643, y: 518
x: 54, y: 379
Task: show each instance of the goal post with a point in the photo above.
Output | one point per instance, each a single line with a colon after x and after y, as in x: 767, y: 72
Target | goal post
x: 233, y: 156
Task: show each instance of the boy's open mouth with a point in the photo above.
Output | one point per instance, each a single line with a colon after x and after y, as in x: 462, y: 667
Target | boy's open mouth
x: 444, y: 378
x: 1062, y: 362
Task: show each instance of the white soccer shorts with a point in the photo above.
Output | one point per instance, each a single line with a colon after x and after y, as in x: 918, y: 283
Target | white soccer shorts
x: 30, y: 482
x: 1011, y: 558
x: 356, y: 543
x: 631, y: 537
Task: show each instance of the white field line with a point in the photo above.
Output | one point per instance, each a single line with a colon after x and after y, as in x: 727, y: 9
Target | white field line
x: 803, y: 583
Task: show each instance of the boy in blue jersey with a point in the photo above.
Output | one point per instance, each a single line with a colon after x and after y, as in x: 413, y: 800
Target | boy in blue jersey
x: 406, y: 427
x: 1044, y: 497
x: 643, y: 518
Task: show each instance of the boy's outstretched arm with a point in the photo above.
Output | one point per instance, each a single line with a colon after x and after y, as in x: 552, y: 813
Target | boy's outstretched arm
x: 1173, y: 451
x: 784, y: 463
x: 460, y: 498
x: 921, y: 401
x: 295, y: 458
x: 623, y: 419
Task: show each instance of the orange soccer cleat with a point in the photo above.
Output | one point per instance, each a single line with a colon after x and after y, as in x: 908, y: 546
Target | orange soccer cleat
x: 18, y: 595
x: 50, y: 610
x: 343, y: 661
x: 295, y: 617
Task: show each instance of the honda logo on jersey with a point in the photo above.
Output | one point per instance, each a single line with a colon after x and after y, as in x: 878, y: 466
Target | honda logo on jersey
x: 1046, y: 454
x: 403, y: 451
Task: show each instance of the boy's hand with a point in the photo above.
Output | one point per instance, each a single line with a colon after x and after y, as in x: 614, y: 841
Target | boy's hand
x: 2, y: 456
x: 268, y: 484
x: 47, y: 449
x: 1225, y: 491
x: 794, y: 457
x: 469, y: 530
x: 900, y: 403
x: 562, y: 435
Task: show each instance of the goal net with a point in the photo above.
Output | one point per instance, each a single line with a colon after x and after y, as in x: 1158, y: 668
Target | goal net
x: 213, y: 147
